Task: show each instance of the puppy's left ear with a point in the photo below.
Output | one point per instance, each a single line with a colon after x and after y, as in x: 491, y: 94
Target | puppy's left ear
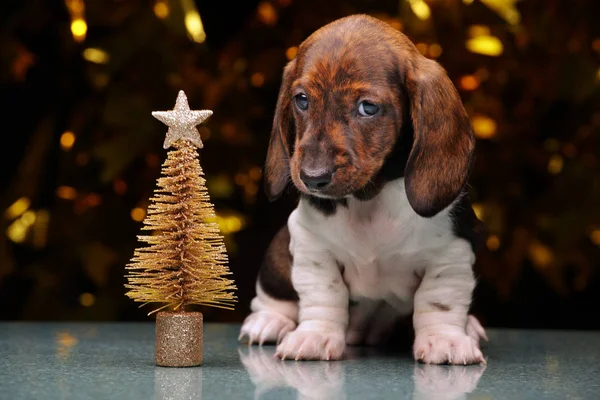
x: 440, y: 160
x: 277, y: 166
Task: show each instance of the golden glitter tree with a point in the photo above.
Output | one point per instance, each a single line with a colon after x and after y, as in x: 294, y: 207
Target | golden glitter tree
x: 185, y: 261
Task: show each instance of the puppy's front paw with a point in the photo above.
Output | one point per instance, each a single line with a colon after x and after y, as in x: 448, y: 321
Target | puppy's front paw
x: 265, y: 327
x: 452, y: 348
x: 312, y: 345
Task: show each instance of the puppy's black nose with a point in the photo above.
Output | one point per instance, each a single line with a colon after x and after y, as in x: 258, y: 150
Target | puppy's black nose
x: 316, y: 181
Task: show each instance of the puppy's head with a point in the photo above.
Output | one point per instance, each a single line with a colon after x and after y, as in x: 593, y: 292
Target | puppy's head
x: 356, y: 87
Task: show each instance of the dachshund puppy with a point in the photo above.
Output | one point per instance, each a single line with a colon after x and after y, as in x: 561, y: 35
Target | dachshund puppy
x: 377, y: 141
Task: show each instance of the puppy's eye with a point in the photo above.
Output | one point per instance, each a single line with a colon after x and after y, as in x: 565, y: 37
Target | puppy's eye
x: 367, y: 109
x: 301, y: 101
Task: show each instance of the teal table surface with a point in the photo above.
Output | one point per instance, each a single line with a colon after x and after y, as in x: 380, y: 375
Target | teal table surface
x: 116, y: 361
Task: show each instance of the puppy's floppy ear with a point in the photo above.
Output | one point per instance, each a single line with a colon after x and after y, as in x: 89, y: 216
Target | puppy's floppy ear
x: 282, y: 136
x: 440, y: 160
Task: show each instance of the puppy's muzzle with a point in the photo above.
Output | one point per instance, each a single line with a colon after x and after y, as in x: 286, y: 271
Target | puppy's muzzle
x: 316, y: 180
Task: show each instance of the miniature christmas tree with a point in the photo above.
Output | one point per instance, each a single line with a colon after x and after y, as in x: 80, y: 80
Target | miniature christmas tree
x: 185, y: 261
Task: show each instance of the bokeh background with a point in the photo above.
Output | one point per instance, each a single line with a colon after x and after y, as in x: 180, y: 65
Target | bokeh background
x: 81, y: 152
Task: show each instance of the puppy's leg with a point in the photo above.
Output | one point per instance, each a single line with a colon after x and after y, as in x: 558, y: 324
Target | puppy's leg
x: 270, y: 319
x: 275, y: 307
x: 323, y: 313
x: 441, y: 305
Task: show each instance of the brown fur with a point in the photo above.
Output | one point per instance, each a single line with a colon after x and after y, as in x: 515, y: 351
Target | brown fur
x: 275, y: 273
x: 361, y: 58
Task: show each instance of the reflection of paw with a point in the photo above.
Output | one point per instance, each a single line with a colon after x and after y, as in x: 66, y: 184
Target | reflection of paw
x: 474, y: 329
x: 327, y: 344
x: 265, y: 372
x: 265, y: 327
x: 440, y: 348
x: 311, y: 380
x: 445, y: 382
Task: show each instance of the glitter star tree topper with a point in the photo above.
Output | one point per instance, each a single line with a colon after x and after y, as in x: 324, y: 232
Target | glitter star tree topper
x: 185, y: 260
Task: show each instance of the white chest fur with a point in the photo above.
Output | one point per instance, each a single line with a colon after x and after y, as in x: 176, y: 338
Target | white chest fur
x: 382, y: 244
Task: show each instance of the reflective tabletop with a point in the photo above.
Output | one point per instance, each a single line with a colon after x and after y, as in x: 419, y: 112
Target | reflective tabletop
x: 116, y: 361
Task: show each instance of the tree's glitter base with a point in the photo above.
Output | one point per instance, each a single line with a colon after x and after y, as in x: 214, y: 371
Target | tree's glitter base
x: 179, y: 339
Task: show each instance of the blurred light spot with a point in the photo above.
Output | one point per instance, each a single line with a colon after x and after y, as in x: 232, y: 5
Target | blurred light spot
x: 482, y: 74
x: 174, y: 79
x: 92, y: 200
x: 138, y: 214
x: 230, y: 224
x: 79, y: 29
x: 95, y: 55
x: 40, y: 228
x: 76, y: 10
x: 193, y: 22
x: 100, y: 80
x: 251, y: 188
x: 240, y: 65
x: 420, y: 8
x: 291, y: 52
x: 598, y: 74
x: 67, y: 140
x: 551, y: 145
x: 395, y: 23
x: 493, y: 242
x: 66, y: 192
x: 161, y: 9
x: 152, y: 160
x: 506, y: 9
x: 220, y: 186
x: 241, y: 179
x: 467, y: 2
x: 267, y: 13
x: 555, y: 164
x: 65, y: 339
x: 255, y: 173
x: 478, y: 30
x: 478, y: 210
x: 82, y: 159
x: 22, y: 63
x: 595, y: 237
x: 596, y: 45
x: 435, y: 50
x: 422, y: 47
x: 257, y: 79
x: 484, y: 127
x: 540, y: 255
x: 17, y: 208
x: 87, y: 299
x: 119, y: 186
x: 75, y: 6
x: 17, y: 231
x: 570, y: 150
x: 469, y: 82
x: 229, y: 130
x: 28, y: 217
x: 486, y: 45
